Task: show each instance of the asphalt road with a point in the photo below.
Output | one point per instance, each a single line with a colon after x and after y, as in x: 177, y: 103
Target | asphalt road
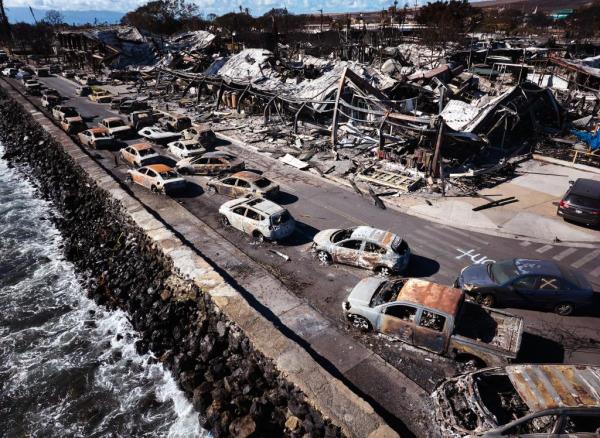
x: 439, y: 252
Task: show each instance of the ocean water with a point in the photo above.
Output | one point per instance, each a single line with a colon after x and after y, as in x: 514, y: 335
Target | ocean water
x: 68, y: 368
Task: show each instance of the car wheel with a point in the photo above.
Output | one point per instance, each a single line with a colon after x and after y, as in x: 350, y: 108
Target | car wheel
x: 324, y: 257
x: 258, y: 237
x: 564, y: 309
x: 487, y: 300
x: 154, y: 189
x: 212, y: 190
x: 128, y: 179
x: 383, y: 271
x: 225, y: 221
x: 361, y: 323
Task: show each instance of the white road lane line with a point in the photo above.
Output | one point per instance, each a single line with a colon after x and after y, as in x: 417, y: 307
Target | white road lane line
x: 525, y: 243
x: 564, y: 254
x: 595, y: 272
x: 444, y: 235
x: 586, y: 259
x: 544, y: 249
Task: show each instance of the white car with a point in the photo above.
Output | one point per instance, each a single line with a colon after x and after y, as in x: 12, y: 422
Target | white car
x: 158, y: 135
x: 260, y: 218
x: 157, y: 177
x: 139, y: 154
x: 9, y: 72
x: 185, y: 148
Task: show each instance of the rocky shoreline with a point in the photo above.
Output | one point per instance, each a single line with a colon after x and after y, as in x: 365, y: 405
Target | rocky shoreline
x: 236, y: 390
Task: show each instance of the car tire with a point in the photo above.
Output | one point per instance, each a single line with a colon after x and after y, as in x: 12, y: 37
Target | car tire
x: 564, y: 309
x: 154, y: 189
x: 383, y: 271
x: 487, y: 300
x: 225, y: 221
x: 211, y: 190
x: 258, y: 237
x: 324, y: 257
x: 360, y: 322
x: 129, y: 179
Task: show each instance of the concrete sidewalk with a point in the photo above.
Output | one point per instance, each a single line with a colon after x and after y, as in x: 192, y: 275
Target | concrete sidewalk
x: 538, y: 189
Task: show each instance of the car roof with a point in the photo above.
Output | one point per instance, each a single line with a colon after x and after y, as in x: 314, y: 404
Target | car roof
x: 112, y: 119
x: 141, y: 146
x: 248, y: 175
x: 385, y: 238
x: 264, y: 206
x: 586, y: 187
x: 216, y: 155
x: 537, y: 267
x: 160, y: 168
x: 445, y: 299
x: 544, y: 387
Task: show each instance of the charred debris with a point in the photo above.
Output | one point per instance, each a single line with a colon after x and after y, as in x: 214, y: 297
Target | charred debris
x: 407, y: 118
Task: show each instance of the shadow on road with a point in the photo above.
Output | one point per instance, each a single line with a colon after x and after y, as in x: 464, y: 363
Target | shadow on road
x: 191, y: 190
x: 285, y: 198
x: 537, y: 349
x: 421, y: 266
x: 303, y: 234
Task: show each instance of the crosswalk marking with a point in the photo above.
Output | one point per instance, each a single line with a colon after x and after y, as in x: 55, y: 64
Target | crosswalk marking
x: 467, y: 235
x: 595, y: 272
x: 564, y: 254
x: 544, y: 248
x: 445, y: 235
x: 525, y: 243
x: 586, y: 259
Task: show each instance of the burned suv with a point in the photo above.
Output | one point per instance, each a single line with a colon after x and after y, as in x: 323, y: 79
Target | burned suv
x: 521, y: 400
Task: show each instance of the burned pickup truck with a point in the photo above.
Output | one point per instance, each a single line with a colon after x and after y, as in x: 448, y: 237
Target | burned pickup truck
x: 521, y: 400
x: 436, y: 318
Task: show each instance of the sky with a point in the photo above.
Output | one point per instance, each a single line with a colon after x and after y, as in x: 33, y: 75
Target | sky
x: 257, y: 7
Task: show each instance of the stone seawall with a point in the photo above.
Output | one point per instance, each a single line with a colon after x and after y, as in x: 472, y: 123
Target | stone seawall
x: 188, y: 316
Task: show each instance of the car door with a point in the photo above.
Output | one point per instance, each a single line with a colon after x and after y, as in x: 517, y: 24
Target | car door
x: 549, y: 292
x: 219, y: 164
x: 348, y: 252
x: 521, y: 291
x: 242, y: 188
x: 139, y: 176
x: 201, y: 165
x: 252, y: 222
x: 372, y: 255
x: 151, y: 178
x: 237, y: 218
x: 227, y: 186
x: 398, y: 321
x: 430, y: 331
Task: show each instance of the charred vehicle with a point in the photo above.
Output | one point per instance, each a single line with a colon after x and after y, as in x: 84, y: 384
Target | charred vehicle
x: 244, y: 183
x: 363, y: 246
x: 529, y: 283
x: 521, y: 400
x: 210, y: 163
x: 157, y: 177
x: 260, y: 218
x: 436, y: 318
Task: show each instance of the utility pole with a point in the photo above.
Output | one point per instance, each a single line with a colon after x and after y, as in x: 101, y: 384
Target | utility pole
x: 321, y: 11
x: 4, y: 26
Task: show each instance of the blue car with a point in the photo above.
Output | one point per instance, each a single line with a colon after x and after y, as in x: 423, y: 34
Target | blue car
x: 526, y: 283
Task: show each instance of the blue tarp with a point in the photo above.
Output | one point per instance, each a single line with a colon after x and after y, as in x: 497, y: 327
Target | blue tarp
x: 591, y: 139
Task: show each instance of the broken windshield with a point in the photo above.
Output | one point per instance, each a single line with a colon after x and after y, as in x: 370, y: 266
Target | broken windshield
x: 340, y: 235
x: 499, y: 397
x: 387, y: 292
x: 169, y: 175
x: 281, y: 219
x: 146, y: 152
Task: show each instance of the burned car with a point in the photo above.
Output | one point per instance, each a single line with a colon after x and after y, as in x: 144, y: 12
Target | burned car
x: 528, y: 283
x: 244, y: 183
x: 139, y: 154
x: 116, y: 127
x: 260, y: 218
x: 185, y: 148
x: 436, y: 318
x: 365, y: 247
x: 96, y: 138
x: 210, y: 163
x: 159, y: 178
x: 521, y: 400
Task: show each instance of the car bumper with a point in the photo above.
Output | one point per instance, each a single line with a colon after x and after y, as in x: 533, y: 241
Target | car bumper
x: 582, y: 218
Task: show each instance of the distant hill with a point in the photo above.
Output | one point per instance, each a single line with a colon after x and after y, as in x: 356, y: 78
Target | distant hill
x: 22, y: 14
x: 546, y: 5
